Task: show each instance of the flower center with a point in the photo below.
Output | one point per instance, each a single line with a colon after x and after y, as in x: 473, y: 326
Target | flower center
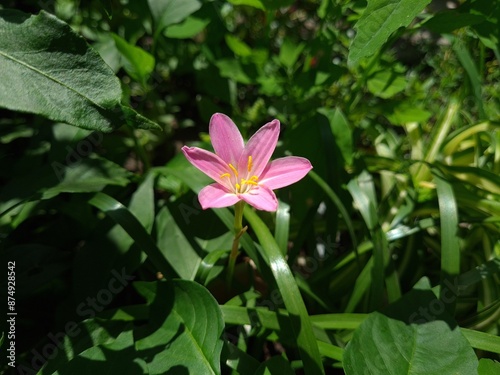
x: 241, y: 185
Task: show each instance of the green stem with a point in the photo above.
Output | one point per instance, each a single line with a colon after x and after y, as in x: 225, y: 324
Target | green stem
x: 238, y: 232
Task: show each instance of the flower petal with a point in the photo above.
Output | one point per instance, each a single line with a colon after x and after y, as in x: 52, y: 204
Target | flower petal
x: 260, y: 147
x: 206, y: 161
x: 226, y: 138
x: 216, y: 196
x: 262, y: 198
x: 284, y: 171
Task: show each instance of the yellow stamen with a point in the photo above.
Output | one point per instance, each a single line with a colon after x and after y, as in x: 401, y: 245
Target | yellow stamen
x: 249, y: 164
x: 233, y: 169
x: 225, y: 175
x: 254, y: 178
x: 250, y: 182
x: 238, y: 187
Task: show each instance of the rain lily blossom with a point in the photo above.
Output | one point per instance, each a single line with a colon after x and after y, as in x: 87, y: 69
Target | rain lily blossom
x: 244, y: 172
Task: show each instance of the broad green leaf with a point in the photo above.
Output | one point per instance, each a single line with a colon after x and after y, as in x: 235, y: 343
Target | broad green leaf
x: 236, y: 45
x: 488, y: 367
x: 169, y: 12
x: 341, y: 131
x: 138, y: 63
x: 232, y: 69
x: 385, y: 84
x: 49, y: 70
x: 413, y: 336
x: 189, y: 28
x: 406, y: 112
x: 186, y: 323
x: 89, y: 175
x: 290, y: 52
x: 379, y: 20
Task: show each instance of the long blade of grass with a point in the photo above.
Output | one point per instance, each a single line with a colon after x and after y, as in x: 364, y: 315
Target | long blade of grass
x: 450, y: 245
x: 282, y: 229
x: 300, y: 321
x: 437, y: 138
x: 470, y: 68
x: 482, y: 340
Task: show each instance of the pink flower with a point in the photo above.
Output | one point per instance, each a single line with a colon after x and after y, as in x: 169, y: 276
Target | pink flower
x: 244, y: 172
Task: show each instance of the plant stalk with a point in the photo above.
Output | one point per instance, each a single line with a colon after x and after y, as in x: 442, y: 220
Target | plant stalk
x: 239, y: 230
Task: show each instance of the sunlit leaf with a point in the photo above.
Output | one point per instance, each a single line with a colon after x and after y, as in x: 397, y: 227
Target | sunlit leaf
x: 186, y: 323
x: 406, y: 339
x: 49, y: 70
x: 379, y: 20
x: 169, y: 12
x: 138, y: 63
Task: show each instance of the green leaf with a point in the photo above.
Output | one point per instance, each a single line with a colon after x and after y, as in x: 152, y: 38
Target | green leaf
x: 413, y: 336
x: 89, y: 175
x: 385, y: 84
x: 138, y: 63
x: 482, y: 340
x: 379, y: 20
x: 236, y: 45
x: 232, y: 69
x: 169, y: 12
x: 488, y: 367
x: 49, y: 70
x: 184, y: 332
x: 406, y: 112
x: 189, y: 28
x: 282, y: 228
x: 341, y: 131
x: 290, y: 52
